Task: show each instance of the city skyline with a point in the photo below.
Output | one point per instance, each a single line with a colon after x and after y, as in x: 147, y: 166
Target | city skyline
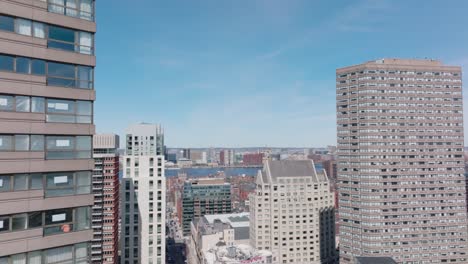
x: 305, y: 132
x: 227, y: 72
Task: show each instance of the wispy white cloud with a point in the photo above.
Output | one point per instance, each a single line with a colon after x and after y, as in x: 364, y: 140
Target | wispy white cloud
x: 271, y: 54
x: 291, y: 43
x: 172, y: 63
x: 279, y: 13
x: 242, y: 106
x: 360, y: 16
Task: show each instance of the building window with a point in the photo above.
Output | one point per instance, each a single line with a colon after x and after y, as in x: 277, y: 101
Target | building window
x: 7, y: 63
x: 83, y: 9
x: 21, y: 143
x: 7, y: 103
x: 23, y: 26
x: 56, y: 184
x: 38, y: 67
x: 22, y: 103
x: 20, y: 182
x: 63, y: 184
x: 6, y: 143
x: 23, y: 65
x: 19, y: 222
x: 69, y: 254
x: 66, y: 111
x: 66, y: 220
x: 58, y: 74
x: 53, y: 221
x: 61, y: 38
x: 57, y: 37
x: 68, y: 147
x: 70, y: 40
x: 7, y: 23
x: 38, y: 30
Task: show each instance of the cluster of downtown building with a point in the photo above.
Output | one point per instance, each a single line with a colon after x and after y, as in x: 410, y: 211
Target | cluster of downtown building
x: 400, y: 188
x: 396, y: 179
x: 290, y: 217
x: 213, y: 157
x: 241, y: 157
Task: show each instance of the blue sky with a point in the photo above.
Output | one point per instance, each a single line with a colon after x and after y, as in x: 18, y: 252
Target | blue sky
x: 254, y: 72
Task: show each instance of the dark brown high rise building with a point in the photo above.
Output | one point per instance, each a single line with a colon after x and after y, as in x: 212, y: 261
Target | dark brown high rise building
x: 46, y: 126
x: 400, y: 161
x: 252, y: 159
x: 330, y: 167
x: 105, y: 221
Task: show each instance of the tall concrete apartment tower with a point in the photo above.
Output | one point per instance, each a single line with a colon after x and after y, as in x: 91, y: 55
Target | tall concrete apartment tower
x: 400, y: 161
x: 292, y: 213
x: 105, y: 220
x: 143, y: 196
x: 46, y: 127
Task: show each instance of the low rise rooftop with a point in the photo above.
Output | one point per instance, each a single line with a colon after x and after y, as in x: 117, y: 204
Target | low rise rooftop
x: 275, y: 169
x: 375, y: 260
x: 210, y: 224
x: 235, y: 220
x: 236, y: 255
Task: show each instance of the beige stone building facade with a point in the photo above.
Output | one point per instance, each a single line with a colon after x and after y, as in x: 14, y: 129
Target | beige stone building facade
x: 292, y: 213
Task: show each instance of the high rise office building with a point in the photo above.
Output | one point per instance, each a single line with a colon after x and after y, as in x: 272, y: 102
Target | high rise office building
x: 186, y: 153
x: 212, y: 155
x: 105, y: 211
x: 143, y: 196
x: 198, y: 156
x: 400, y: 161
x: 226, y: 157
x: 46, y: 127
x: 330, y: 167
x: 252, y: 159
x: 292, y: 213
x: 222, y: 157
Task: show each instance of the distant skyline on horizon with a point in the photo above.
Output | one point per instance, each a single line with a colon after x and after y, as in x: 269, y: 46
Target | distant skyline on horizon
x: 253, y: 148
x: 260, y: 72
x: 248, y: 147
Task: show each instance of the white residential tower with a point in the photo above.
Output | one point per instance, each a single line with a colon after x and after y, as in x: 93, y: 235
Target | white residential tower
x: 143, y: 195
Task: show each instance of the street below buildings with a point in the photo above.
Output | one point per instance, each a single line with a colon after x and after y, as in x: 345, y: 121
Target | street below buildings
x: 175, y: 252
x: 175, y: 246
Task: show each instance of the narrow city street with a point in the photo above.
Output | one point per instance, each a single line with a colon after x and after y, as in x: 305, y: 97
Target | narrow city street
x: 175, y: 246
x: 175, y: 252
